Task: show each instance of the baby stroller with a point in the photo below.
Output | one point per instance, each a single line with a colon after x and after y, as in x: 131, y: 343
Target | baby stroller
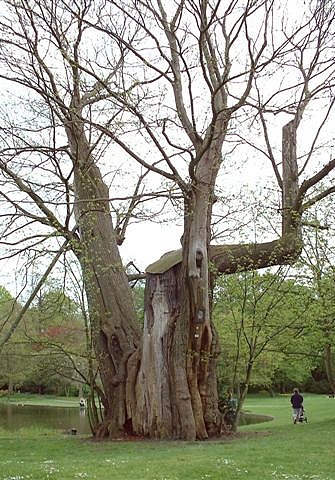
x: 301, y: 417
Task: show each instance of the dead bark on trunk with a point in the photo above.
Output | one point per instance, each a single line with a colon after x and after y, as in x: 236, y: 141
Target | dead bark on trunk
x: 156, y: 413
x: 172, y: 371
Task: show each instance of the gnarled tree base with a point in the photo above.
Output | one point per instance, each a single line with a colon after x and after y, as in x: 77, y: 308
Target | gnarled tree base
x: 165, y: 407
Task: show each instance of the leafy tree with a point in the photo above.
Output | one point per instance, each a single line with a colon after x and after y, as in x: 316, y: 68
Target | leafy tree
x: 47, y: 350
x: 55, y: 333
x: 7, y: 307
x: 15, y: 364
x: 257, y: 315
x: 318, y: 266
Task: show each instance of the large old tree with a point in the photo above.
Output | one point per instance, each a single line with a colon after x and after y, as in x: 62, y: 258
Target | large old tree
x: 190, y: 79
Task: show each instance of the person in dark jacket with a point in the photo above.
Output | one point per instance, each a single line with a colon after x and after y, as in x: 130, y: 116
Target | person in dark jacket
x: 297, y: 404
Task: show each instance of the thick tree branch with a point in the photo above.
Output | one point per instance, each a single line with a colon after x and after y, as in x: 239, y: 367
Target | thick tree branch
x: 244, y: 257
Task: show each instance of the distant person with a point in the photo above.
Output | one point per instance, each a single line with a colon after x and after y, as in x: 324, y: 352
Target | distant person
x: 297, y: 404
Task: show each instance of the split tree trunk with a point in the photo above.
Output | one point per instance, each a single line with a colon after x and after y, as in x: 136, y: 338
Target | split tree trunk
x: 179, y: 398
x: 177, y: 380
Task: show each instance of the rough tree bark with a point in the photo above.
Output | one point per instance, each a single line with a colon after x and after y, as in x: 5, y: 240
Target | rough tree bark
x: 115, y: 332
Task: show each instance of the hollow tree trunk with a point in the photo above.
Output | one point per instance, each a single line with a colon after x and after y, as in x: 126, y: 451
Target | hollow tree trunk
x: 171, y: 361
x: 196, y: 298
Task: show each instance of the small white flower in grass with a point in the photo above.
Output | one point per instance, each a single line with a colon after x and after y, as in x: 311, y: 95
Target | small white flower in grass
x: 49, y: 468
x: 52, y: 469
x: 15, y: 477
x: 114, y: 462
x: 294, y: 476
x: 225, y: 461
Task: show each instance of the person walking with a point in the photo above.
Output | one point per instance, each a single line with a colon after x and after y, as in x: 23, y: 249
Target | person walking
x: 297, y: 405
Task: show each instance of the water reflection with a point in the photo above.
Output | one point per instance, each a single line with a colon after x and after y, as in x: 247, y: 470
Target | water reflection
x: 13, y: 417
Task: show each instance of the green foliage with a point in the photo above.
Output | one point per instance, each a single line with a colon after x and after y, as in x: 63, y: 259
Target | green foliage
x: 8, y: 308
x: 15, y: 363
x: 138, y: 296
x: 5, y: 296
x: 58, y: 340
x: 54, y: 308
x: 48, y: 346
x: 263, y: 321
x: 227, y: 406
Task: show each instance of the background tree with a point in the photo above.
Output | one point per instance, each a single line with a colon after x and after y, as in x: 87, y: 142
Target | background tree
x: 56, y: 335
x: 47, y: 351
x: 15, y: 364
x: 260, y: 313
x: 318, y: 270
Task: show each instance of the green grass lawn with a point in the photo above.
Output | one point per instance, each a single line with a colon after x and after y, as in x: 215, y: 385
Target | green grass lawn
x: 279, y: 450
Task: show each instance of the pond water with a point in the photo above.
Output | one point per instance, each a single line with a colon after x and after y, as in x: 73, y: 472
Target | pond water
x: 252, y: 418
x: 14, y: 417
